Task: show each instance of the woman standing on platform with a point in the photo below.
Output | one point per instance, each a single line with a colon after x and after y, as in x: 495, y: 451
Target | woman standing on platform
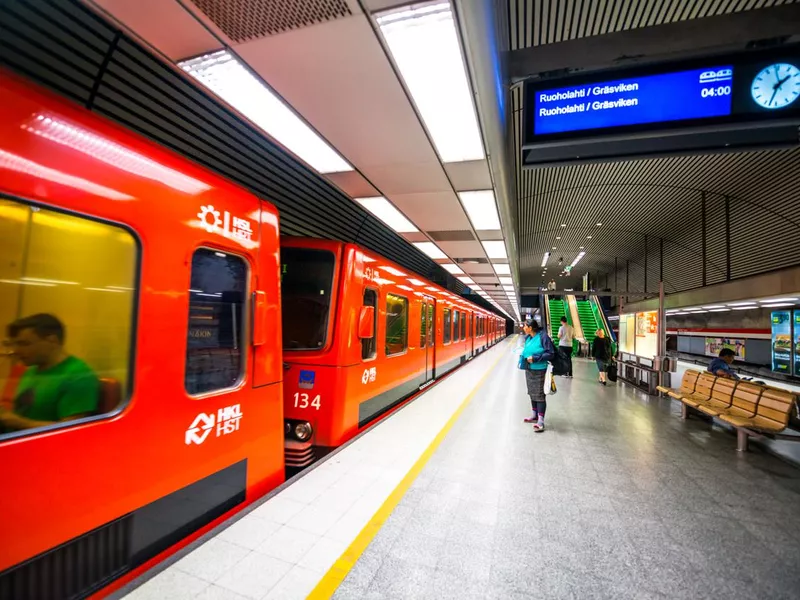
x: 601, y: 351
x: 537, y: 352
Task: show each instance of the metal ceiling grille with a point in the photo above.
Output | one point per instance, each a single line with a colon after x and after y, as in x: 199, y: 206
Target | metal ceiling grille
x: 245, y: 20
x: 718, y: 216
x: 64, y: 46
x: 538, y: 22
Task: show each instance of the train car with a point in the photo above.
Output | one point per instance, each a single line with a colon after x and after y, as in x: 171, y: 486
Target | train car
x: 142, y: 295
x: 360, y: 336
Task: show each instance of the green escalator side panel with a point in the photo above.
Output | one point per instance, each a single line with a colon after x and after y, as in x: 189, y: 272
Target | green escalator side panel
x: 557, y: 310
x: 595, y: 311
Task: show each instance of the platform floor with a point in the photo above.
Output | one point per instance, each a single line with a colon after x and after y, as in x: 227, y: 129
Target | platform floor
x: 618, y: 498
x: 455, y: 497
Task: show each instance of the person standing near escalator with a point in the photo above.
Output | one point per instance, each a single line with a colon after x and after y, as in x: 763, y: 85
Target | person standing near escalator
x: 536, y: 354
x: 565, y: 336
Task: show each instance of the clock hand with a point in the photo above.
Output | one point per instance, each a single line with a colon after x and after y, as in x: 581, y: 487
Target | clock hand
x: 774, y: 91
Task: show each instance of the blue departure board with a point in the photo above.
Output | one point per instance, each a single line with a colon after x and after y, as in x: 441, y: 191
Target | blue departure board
x: 678, y: 96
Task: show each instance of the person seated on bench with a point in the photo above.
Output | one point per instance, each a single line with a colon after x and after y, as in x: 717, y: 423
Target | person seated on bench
x: 721, y: 367
x: 55, y: 387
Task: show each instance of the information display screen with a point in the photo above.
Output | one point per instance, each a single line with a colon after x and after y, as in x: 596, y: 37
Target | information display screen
x: 782, y: 341
x: 685, y: 95
x: 738, y: 88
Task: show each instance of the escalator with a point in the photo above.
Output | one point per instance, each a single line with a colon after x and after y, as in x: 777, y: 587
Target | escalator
x: 588, y: 320
x: 557, y: 310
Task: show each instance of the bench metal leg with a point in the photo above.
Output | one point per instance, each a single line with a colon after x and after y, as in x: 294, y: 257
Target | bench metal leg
x: 741, y: 440
x: 684, y: 412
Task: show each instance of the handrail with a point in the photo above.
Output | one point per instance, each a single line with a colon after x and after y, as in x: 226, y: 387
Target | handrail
x: 546, y: 313
x: 602, y: 313
x: 576, y: 320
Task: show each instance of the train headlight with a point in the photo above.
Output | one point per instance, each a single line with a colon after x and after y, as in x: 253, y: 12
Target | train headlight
x: 287, y: 428
x: 303, y: 431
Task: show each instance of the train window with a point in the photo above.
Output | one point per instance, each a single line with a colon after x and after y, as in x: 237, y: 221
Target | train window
x: 369, y: 345
x: 447, y: 329
x: 217, y: 317
x: 67, y: 297
x: 456, y: 316
x: 396, y: 324
x: 306, y: 289
x: 463, y: 326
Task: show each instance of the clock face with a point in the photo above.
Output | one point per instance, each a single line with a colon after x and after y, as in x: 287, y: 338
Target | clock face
x: 776, y: 86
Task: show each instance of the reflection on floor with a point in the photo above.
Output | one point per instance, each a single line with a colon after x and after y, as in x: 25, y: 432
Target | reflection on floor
x: 617, y: 499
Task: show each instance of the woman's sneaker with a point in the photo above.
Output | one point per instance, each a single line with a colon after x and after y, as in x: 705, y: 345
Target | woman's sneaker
x: 532, y: 419
x: 538, y: 427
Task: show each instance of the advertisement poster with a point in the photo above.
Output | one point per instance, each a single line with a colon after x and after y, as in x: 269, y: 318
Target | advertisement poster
x: 646, y: 324
x: 797, y: 342
x: 714, y: 345
x: 782, y: 341
x: 646, y: 334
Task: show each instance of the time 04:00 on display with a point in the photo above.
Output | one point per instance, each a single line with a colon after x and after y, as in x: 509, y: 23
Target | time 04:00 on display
x: 713, y: 92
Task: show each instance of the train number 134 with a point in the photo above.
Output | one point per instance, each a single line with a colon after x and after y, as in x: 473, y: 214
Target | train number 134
x: 303, y: 401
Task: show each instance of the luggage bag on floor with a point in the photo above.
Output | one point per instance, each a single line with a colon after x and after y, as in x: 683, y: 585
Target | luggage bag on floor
x: 560, y: 363
x: 612, y: 372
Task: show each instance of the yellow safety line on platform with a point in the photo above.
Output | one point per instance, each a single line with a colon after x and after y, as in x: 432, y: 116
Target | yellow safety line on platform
x: 329, y: 583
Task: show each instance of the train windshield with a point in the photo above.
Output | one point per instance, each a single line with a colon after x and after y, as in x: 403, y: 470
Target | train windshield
x: 306, y: 286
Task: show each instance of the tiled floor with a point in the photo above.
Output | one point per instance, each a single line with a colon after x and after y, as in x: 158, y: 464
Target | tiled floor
x: 618, y: 499
x: 281, y: 548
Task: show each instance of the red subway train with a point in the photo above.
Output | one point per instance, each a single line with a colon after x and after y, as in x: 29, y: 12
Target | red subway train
x: 145, y: 394
x: 360, y: 335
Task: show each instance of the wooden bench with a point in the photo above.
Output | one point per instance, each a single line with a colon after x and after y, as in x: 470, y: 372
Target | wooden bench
x: 770, y: 419
x: 687, y: 385
x: 753, y: 410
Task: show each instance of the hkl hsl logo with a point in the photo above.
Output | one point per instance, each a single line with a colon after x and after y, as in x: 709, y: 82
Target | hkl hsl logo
x: 214, y: 221
x: 226, y: 420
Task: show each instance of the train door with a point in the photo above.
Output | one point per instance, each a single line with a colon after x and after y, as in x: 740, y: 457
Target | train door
x: 471, y: 334
x: 429, y: 337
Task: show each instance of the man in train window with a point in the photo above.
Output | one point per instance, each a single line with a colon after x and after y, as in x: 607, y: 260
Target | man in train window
x: 55, y: 387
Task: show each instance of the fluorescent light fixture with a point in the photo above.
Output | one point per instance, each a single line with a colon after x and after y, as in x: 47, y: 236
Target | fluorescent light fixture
x: 495, y: 249
x: 554, y: 247
x: 231, y: 81
x: 386, y: 212
x: 467, y: 280
x: 424, y: 44
x: 718, y: 310
x: 506, y: 280
x: 558, y: 237
x: 744, y: 307
x: 55, y: 281
x: 773, y: 300
x: 778, y: 305
x: 431, y: 250
x: 741, y: 304
x: 481, y: 209
x: 502, y: 269
x: 452, y: 269
x: 406, y: 288
x: 394, y: 271
x: 599, y: 224
x: 588, y: 237
x: 563, y: 224
x: 680, y: 313
x: 416, y: 282
x: 713, y: 306
x: 23, y: 282
x: 14, y: 162
x: 545, y: 258
x: 578, y: 258
x: 508, y: 288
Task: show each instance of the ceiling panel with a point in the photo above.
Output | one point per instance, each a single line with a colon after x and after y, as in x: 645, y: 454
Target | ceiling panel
x: 462, y: 249
x: 353, y: 184
x: 469, y: 175
x: 477, y: 269
x: 432, y: 211
x: 337, y: 76
x: 164, y: 24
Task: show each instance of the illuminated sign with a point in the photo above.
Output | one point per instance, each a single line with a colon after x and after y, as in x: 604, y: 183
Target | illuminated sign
x: 685, y: 95
x: 782, y: 341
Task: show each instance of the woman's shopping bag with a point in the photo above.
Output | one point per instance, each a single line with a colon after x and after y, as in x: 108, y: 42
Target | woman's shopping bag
x: 549, y: 382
